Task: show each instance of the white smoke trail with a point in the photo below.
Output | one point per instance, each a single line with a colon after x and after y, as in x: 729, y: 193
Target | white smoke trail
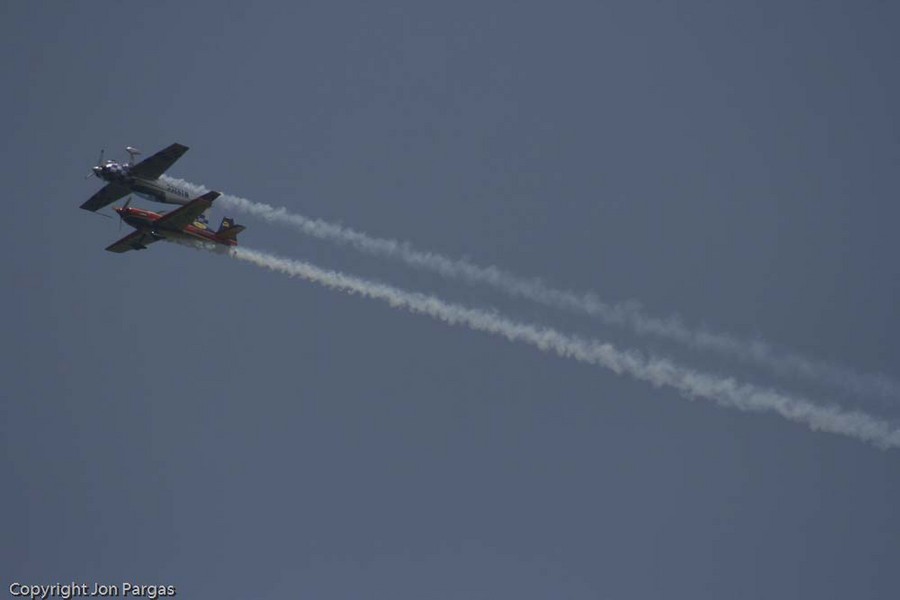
x: 692, y: 384
x: 781, y: 362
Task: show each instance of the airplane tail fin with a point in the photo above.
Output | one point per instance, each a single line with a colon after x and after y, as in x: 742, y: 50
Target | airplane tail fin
x: 228, y: 229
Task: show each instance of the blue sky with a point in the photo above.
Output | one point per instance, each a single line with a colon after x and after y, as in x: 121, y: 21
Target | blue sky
x: 180, y: 418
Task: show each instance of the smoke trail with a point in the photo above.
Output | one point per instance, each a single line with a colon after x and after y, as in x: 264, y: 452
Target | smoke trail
x: 781, y: 362
x: 692, y: 384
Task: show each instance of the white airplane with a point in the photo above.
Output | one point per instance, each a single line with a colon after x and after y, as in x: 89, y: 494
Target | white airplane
x: 141, y: 179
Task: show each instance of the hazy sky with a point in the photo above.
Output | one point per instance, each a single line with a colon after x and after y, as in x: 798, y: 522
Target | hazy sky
x: 174, y: 417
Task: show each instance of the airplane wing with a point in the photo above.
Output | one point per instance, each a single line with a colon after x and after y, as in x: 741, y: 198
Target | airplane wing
x: 187, y: 214
x: 107, y: 195
x: 136, y: 240
x: 154, y: 166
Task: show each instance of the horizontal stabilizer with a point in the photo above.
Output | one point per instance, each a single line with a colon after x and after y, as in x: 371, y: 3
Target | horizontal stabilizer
x: 228, y: 229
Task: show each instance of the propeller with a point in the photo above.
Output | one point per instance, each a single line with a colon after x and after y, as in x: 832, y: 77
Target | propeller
x: 121, y: 210
x: 99, y: 163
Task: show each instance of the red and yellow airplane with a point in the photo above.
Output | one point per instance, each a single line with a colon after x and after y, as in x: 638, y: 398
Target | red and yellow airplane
x: 185, y: 224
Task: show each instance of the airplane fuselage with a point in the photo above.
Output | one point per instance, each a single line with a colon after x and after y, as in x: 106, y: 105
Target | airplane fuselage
x: 155, y: 190
x: 145, y: 221
x: 159, y: 191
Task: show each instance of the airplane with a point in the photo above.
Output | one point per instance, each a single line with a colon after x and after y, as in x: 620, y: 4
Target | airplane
x: 185, y: 223
x: 141, y: 178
